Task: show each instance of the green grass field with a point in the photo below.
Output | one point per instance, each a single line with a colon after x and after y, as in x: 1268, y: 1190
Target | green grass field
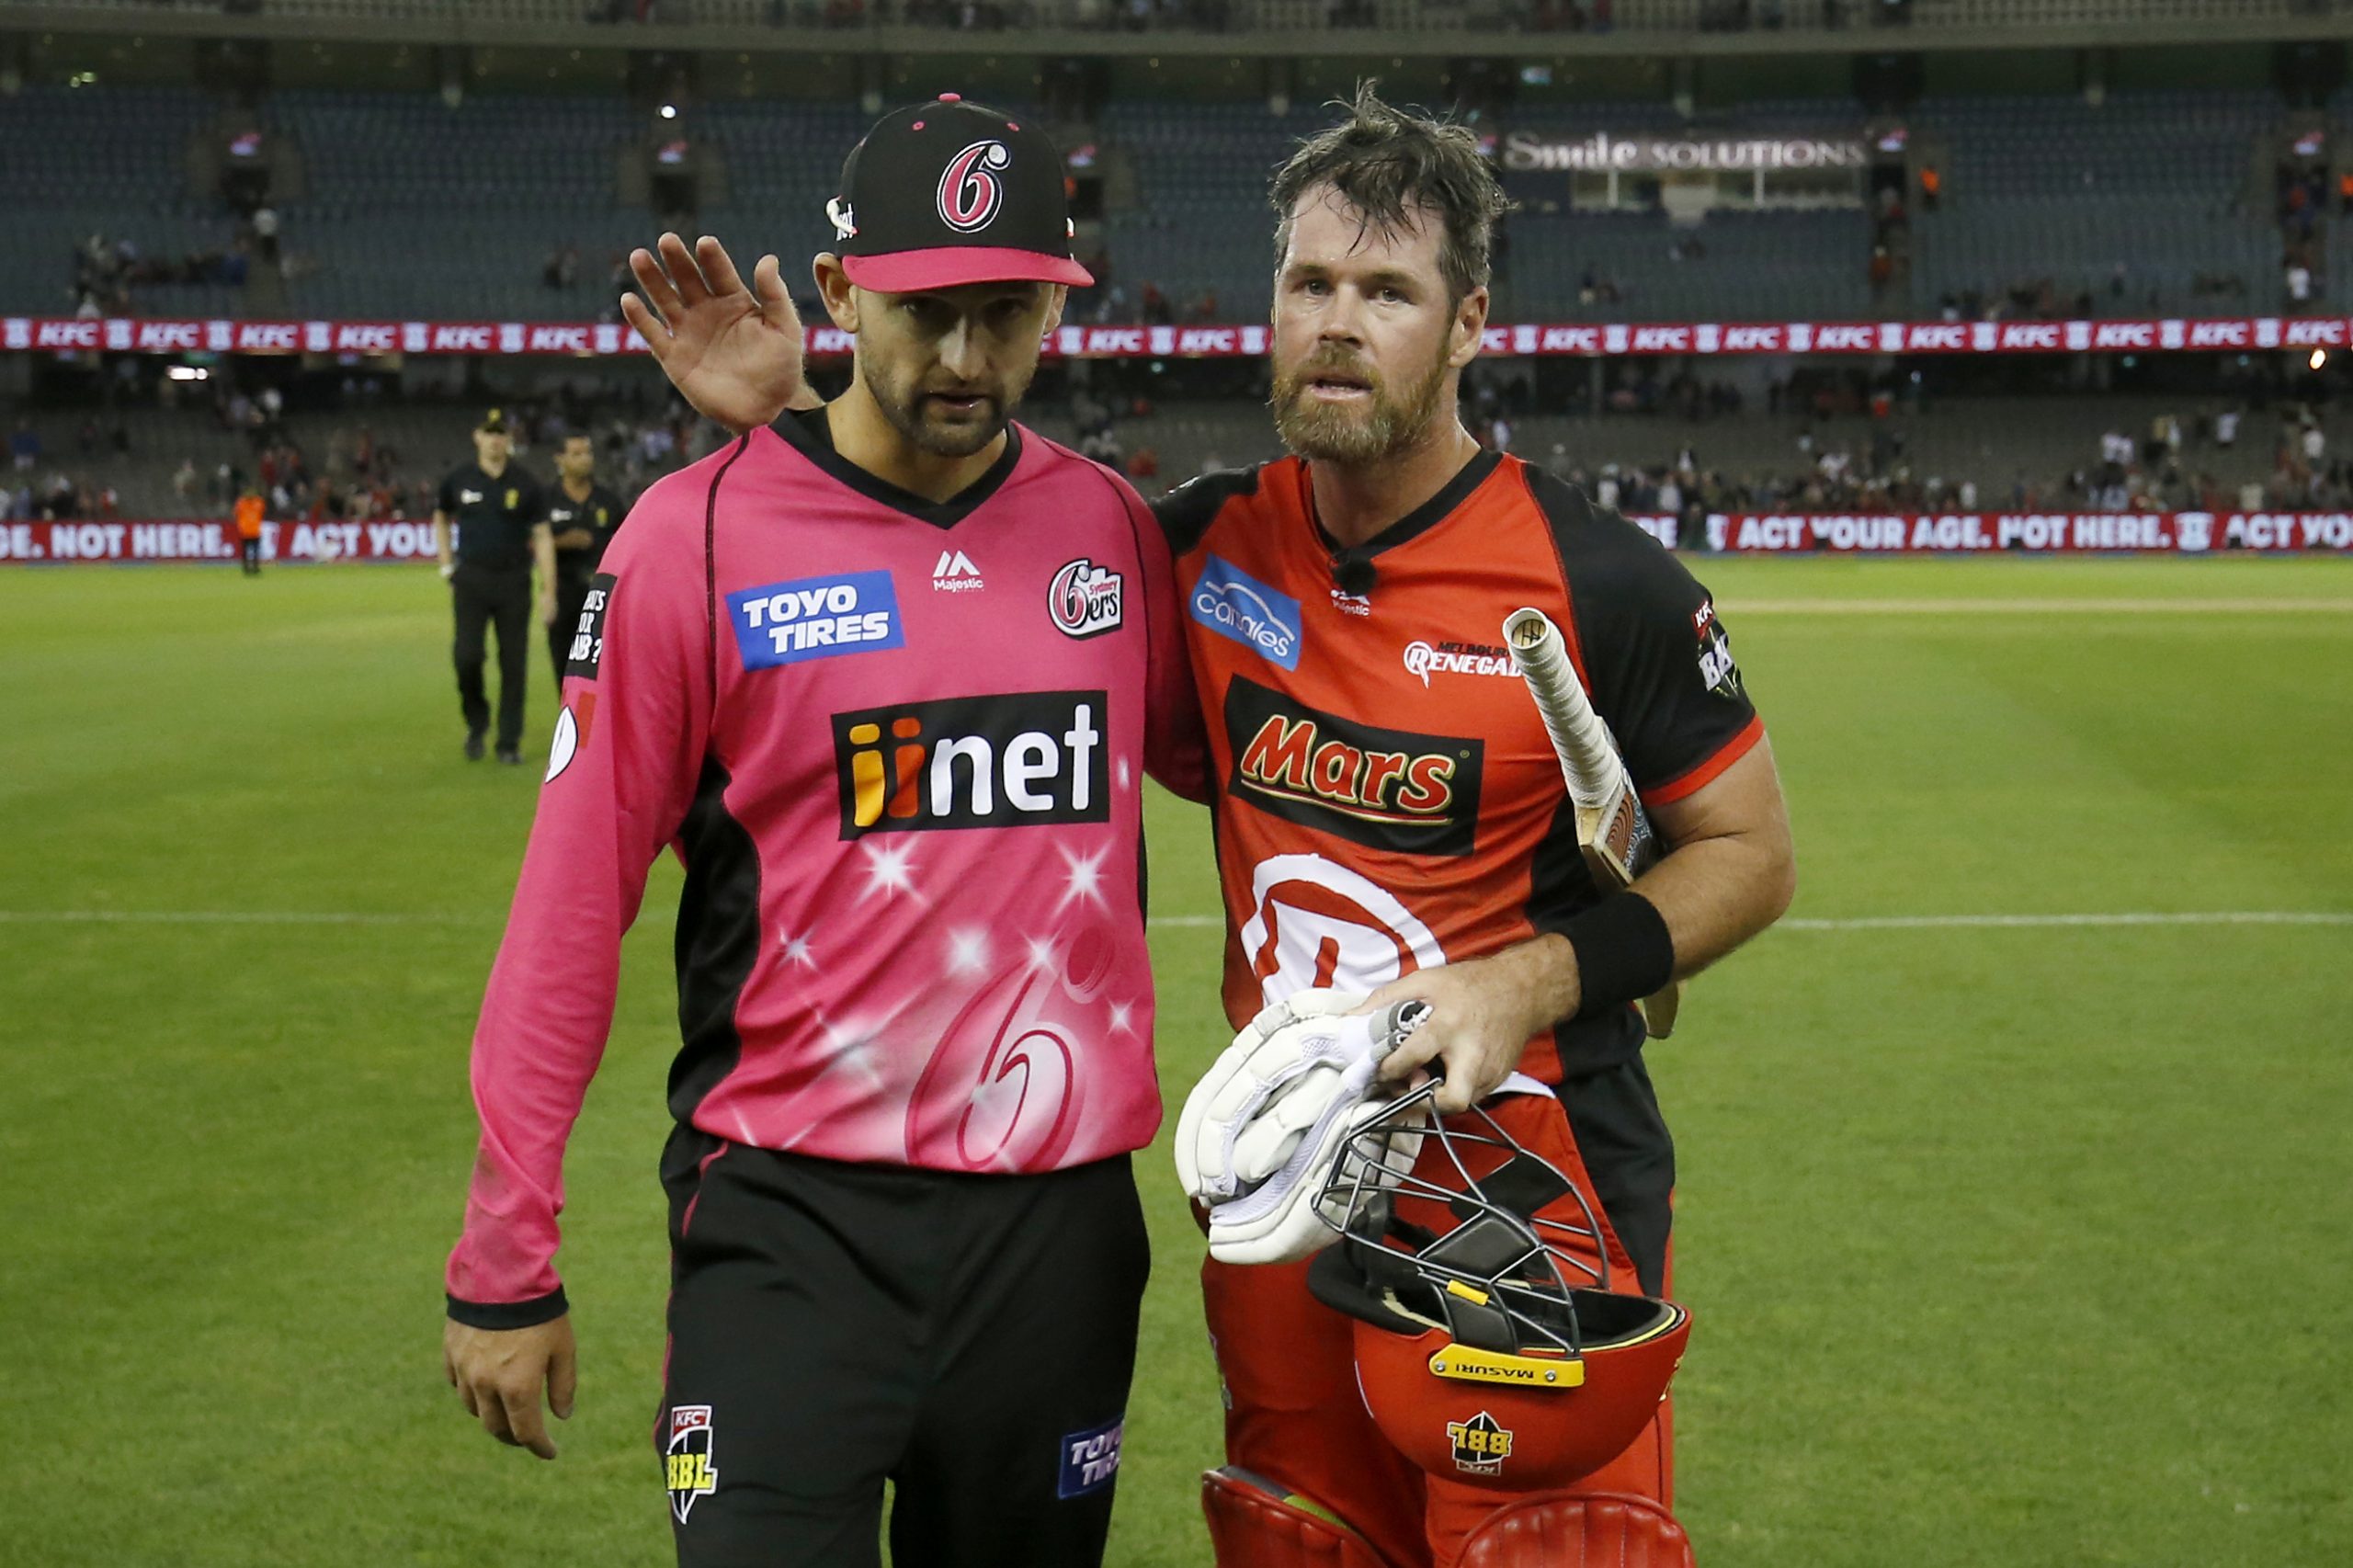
x: 2008, y: 1245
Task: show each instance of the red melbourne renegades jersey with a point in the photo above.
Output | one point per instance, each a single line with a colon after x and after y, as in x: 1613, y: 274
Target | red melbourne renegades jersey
x: 1385, y: 796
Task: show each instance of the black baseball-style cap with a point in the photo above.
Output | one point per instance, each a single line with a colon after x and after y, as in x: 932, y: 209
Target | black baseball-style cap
x: 949, y: 192
x: 493, y: 423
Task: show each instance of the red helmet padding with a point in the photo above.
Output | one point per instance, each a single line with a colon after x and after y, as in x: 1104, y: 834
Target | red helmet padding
x: 1555, y: 1436
x: 1600, y: 1529
x: 1252, y: 1525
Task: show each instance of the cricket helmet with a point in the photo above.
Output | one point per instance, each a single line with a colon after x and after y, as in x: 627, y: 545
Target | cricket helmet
x: 1490, y: 1348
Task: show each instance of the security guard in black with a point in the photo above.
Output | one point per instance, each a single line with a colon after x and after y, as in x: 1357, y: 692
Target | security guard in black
x: 500, y: 513
x: 582, y: 515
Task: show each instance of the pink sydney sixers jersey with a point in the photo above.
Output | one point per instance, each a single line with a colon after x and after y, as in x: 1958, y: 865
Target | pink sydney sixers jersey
x: 900, y: 747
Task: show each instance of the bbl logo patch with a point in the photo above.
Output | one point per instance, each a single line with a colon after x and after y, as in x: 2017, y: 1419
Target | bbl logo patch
x: 815, y: 618
x: 1084, y: 599
x: 514, y: 499
x: 689, y: 1472
x: 1090, y: 1459
x: 1001, y: 761
x: 588, y: 638
x: 1385, y: 788
x: 1480, y: 1444
x: 1232, y: 603
x: 1717, y: 672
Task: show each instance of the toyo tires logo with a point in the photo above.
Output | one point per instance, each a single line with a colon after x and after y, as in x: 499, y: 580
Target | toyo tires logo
x: 970, y: 191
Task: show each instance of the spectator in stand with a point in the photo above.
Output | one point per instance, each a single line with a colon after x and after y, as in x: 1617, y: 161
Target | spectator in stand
x: 23, y: 447
x: 1932, y: 188
x: 2297, y: 280
x: 2315, y: 445
x: 248, y: 526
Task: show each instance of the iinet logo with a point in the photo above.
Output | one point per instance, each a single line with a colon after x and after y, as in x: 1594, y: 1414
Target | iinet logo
x: 1005, y: 760
x: 956, y: 574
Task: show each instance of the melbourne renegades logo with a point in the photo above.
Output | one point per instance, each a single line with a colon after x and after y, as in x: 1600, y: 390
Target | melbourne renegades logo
x: 970, y: 191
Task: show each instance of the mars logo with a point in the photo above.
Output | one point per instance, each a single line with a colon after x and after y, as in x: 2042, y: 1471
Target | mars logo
x: 1316, y: 922
x: 1386, y: 789
x: 969, y: 194
x: 686, y: 1462
x: 999, y: 761
x: 1480, y: 1444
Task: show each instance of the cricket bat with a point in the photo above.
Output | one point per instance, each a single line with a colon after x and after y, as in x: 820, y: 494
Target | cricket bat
x: 1613, y: 834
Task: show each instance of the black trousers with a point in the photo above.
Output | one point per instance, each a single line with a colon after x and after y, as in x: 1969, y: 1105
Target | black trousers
x: 484, y: 596
x: 249, y: 553
x: 571, y: 597
x: 970, y: 1338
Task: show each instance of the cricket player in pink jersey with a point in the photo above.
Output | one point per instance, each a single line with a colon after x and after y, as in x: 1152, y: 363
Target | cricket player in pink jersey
x: 887, y: 675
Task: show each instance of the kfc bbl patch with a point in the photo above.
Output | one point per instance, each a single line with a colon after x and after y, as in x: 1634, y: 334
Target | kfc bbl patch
x: 1480, y: 1444
x: 588, y: 637
x: 687, y: 1461
x: 1090, y: 1458
x: 1717, y: 672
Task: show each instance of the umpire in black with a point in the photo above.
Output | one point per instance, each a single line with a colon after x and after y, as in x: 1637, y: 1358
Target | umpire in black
x: 501, y: 513
x: 582, y: 515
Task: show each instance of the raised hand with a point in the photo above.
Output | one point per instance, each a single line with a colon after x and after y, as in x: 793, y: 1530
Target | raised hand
x: 734, y: 353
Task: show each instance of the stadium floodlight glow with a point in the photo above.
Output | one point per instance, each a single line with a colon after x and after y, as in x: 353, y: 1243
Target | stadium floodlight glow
x: 188, y: 373
x: 669, y: 111
x: 2320, y: 358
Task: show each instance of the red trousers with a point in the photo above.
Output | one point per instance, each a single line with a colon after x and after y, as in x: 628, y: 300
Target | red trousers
x: 1293, y: 1413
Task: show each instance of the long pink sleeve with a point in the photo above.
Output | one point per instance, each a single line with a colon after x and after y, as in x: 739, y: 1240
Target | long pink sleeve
x: 628, y: 746
x: 1175, y: 747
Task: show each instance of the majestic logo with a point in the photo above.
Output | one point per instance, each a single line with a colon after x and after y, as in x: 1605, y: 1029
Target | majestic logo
x: 1090, y: 1459
x: 844, y: 218
x: 1351, y: 604
x: 955, y: 574
x: 1386, y: 789
x: 687, y: 1461
x: 1457, y: 658
x: 588, y: 649
x: 1232, y: 603
x: 1480, y: 1444
x: 1084, y: 599
x: 1001, y: 761
x: 970, y: 191
x: 815, y: 618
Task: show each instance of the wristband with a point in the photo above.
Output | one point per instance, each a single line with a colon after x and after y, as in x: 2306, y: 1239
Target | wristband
x: 510, y: 1314
x: 1624, y: 952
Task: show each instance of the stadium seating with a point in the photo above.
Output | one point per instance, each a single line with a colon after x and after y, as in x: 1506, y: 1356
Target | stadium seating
x: 2164, y: 183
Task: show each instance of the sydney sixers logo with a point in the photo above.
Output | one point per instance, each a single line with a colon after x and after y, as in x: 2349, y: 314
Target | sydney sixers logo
x: 970, y: 191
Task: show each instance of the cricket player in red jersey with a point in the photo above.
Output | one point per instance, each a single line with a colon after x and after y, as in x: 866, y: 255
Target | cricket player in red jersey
x: 1391, y: 815
x: 887, y: 676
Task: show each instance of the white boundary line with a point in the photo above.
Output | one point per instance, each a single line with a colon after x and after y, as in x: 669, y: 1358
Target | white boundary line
x: 1952, y: 922
x: 1866, y: 923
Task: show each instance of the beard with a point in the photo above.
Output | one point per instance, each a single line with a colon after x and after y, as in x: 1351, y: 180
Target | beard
x: 1385, y: 424
x: 930, y: 427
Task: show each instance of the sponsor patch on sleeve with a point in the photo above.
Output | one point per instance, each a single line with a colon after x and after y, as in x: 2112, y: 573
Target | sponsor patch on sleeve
x: 1090, y: 1458
x: 689, y: 1472
x: 815, y: 618
x: 588, y: 638
x: 1717, y: 672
